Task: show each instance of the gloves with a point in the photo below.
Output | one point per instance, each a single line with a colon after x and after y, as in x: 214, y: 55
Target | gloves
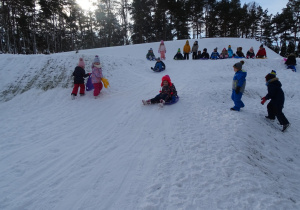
x: 90, y: 74
x: 237, y: 89
x: 263, y: 100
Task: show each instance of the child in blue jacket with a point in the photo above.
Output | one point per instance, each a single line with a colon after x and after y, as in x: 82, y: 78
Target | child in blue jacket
x: 215, y: 54
x: 238, y: 86
x: 159, y: 65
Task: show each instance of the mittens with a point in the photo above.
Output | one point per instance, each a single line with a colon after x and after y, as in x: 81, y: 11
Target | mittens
x: 263, y: 100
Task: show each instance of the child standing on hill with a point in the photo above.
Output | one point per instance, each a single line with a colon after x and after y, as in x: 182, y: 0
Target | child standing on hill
x: 97, y: 76
x: 238, y: 86
x: 275, y: 106
x: 79, y: 75
x: 186, y: 50
x: 162, y: 50
x: 195, y: 50
x: 167, y: 93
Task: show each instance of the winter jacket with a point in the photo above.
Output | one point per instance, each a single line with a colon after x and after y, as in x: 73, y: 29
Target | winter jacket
x: 170, y: 91
x: 214, y: 55
x: 239, y: 80
x: 79, y: 74
x: 159, y: 65
x: 162, y: 48
x: 150, y: 55
x: 291, y: 60
x: 230, y: 53
x: 195, y: 48
x: 250, y: 54
x: 240, y: 54
x: 261, y: 53
x: 187, y: 48
x: 96, y: 74
x: 205, y: 55
x: 178, y: 56
x: 275, y: 93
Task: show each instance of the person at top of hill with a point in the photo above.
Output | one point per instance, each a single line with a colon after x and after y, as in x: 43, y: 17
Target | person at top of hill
x: 186, y: 50
x: 199, y: 55
x: 159, y: 65
x: 250, y: 53
x: 195, y: 49
x: 150, y: 55
x: 230, y: 52
x: 215, y: 55
x: 97, y: 76
x: 162, y: 50
x: 79, y: 75
x: 261, y: 53
x: 167, y: 93
x: 205, y: 54
x: 224, y: 53
x: 276, y: 94
x: 238, y: 86
x: 239, y: 52
x: 178, y: 55
x: 291, y: 62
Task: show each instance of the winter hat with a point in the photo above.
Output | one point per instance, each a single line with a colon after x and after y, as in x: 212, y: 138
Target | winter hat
x: 204, y: 49
x: 239, y: 65
x: 251, y: 48
x: 166, y: 78
x: 178, y: 50
x: 96, y: 59
x: 261, y: 45
x: 81, y: 63
x: 158, y: 58
x: 162, y: 42
x: 270, y: 75
x: 151, y: 49
x: 229, y: 46
x: 187, y: 42
x: 216, y: 49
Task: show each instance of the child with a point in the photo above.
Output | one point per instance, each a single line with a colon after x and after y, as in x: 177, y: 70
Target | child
x: 238, y: 86
x: 97, y: 76
x: 79, y: 74
x: 250, y: 53
x: 199, y: 55
x: 215, y: 55
x: 195, y: 49
x: 291, y: 62
x: 230, y: 52
x: 186, y: 50
x: 150, y: 55
x: 239, y: 52
x: 276, y: 95
x: 162, y: 50
x: 178, y: 55
x: 261, y: 53
x: 159, y: 65
x: 168, y: 93
x: 204, y: 54
x: 224, y: 53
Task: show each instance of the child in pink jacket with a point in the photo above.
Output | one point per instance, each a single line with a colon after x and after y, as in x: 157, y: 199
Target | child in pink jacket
x: 162, y: 50
x: 97, y: 76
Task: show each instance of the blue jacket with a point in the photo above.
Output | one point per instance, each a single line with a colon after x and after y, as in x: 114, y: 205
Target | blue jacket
x: 214, y: 55
x: 239, y: 80
x: 160, y: 65
x: 230, y: 52
x: 275, y: 93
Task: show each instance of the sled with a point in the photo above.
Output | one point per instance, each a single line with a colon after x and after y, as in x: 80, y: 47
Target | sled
x: 157, y: 70
x: 89, y: 85
x: 293, y: 67
x: 173, y: 101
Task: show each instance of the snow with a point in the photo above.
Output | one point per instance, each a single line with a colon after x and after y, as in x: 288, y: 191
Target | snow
x: 114, y: 153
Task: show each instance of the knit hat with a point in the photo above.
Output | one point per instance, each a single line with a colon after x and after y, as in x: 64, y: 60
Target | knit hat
x: 270, y: 75
x: 216, y: 49
x: 96, y: 59
x: 162, y: 41
x: 81, y: 63
x: 151, y: 49
x: 239, y: 65
x: 204, y: 49
x: 158, y: 58
x: 262, y: 45
x: 178, y: 50
x: 166, y: 78
x: 187, y: 42
x: 229, y: 46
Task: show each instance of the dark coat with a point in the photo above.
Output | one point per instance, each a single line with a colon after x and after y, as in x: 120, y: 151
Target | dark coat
x: 79, y: 74
x: 291, y: 60
x: 178, y: 56
x: 205, y: 55
x: 275, y: 93
x: 240, y: 54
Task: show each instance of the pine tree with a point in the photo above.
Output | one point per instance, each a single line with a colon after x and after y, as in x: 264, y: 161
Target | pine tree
x: 291, y: 48
x: 283, y: 50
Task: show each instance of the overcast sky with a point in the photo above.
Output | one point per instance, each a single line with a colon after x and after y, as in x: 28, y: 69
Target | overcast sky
x: 273, y: 6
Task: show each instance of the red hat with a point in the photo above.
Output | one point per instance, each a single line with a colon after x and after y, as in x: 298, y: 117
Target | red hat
x: 166, y: 78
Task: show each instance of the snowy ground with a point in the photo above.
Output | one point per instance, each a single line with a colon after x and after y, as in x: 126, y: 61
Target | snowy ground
x: 115, y: 153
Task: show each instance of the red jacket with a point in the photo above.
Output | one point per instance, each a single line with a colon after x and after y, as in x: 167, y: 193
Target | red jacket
x: 261, y: 52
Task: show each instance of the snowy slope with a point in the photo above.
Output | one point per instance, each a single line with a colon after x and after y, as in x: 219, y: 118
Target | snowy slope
x: 115, y: 153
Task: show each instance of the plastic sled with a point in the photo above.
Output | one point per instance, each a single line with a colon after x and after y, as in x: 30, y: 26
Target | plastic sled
x: 173, y: 101
x: 89, y: 85
x: 293, y: 67
x: 238, y: 57
x: 157, y: 70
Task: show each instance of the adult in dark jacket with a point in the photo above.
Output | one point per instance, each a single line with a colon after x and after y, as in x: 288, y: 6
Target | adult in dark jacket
x: 79, y: 75
x: 275, y: 106
x: 205, y: 55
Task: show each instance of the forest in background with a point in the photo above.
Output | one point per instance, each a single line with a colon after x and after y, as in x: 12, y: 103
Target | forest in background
x: 50, y: 26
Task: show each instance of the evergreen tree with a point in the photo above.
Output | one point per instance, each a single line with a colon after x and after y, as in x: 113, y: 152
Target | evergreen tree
x: 283, y: 49
x: 291, y: 48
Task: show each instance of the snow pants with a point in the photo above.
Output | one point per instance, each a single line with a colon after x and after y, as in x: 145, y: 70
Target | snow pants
x: 276, y: 111
x: 157, y: 98
x: 162, y: 55
x: 195, y: 55
x: 186, y: 56
x: 97, y: 88
x: 237, y: 99
x: 75, y: 89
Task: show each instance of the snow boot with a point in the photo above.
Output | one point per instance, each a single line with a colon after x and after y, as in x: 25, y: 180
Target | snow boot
x: 269, y: 118
x: 284, y: 127
x: 146, y: 102
x: 161, y: 103
x: 73, y: 96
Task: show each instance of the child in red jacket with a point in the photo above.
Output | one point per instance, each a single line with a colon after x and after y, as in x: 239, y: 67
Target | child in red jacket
x: 261, y: 53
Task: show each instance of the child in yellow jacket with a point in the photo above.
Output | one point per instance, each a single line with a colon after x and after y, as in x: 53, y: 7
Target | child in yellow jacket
x: 186, y: 50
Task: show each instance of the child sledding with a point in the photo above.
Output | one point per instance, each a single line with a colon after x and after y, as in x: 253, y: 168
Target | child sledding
x: 291, y: 62
x: 167, y: 95
x: 178, y: 55
x: 150, y: 55
x: 159, y: 66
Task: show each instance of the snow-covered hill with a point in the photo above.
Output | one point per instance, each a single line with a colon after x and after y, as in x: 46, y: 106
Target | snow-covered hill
x: 115, y: 153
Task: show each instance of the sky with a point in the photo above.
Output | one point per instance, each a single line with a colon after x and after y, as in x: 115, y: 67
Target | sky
x: 273, y: 6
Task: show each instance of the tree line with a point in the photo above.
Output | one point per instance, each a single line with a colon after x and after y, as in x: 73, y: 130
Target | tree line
x: 35, y: 26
